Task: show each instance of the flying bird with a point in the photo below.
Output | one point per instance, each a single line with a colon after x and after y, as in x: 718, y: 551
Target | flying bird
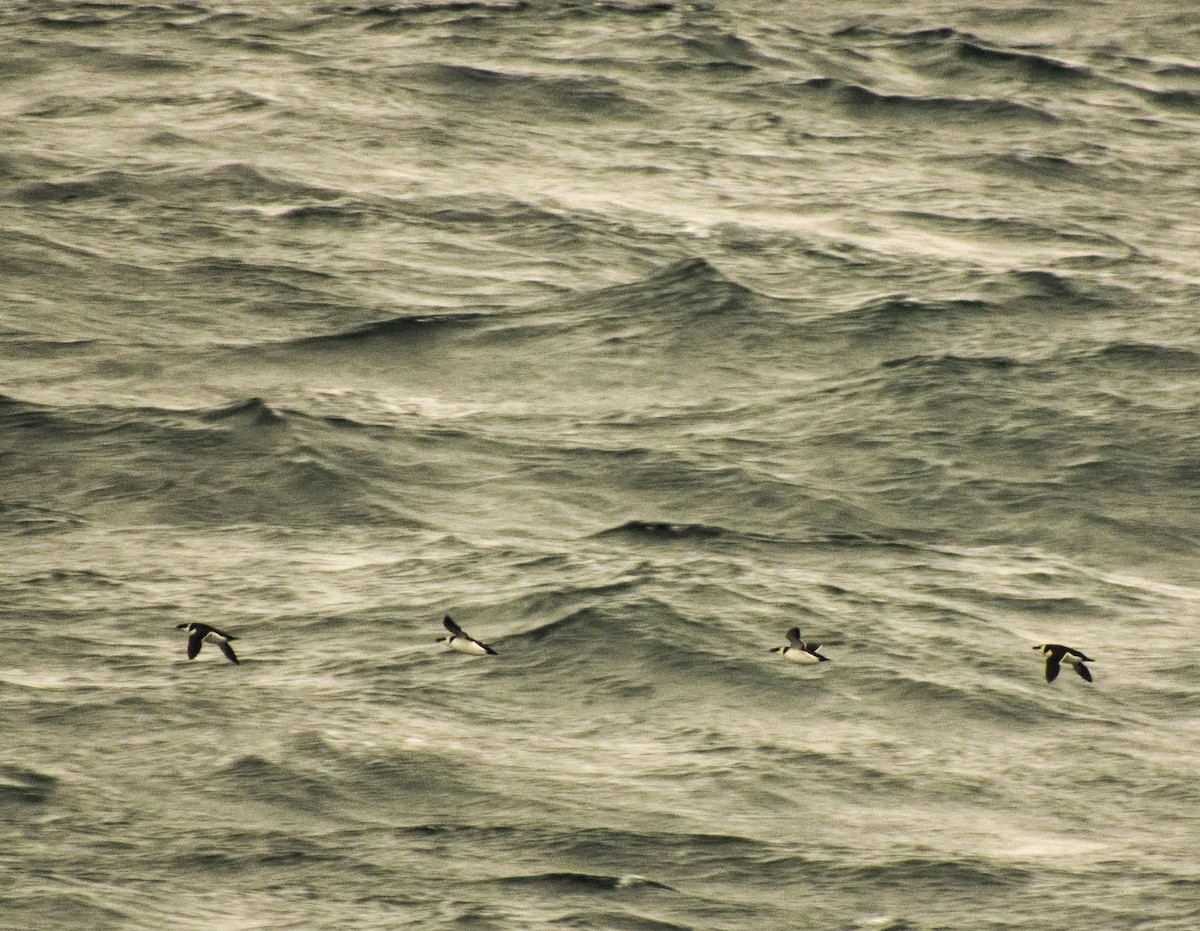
x: 199, y: 633
x: 1057, y: 654
x: 798, y: 651
x: 459, y: 640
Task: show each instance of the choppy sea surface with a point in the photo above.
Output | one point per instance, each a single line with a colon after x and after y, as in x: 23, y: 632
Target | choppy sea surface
x: 631, y: 334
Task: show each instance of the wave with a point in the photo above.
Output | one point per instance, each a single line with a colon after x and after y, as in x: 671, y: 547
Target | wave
x: 632, y: 8
x: 509, y: 94
x: 243, y: 462
x: 1039, y: 169
x: 940, y: 874
x: 675, y: 303
x: 408, y: 329
x: 969, y: 700
x: 714, y: 48
x: 384, y: 14
x: 252, y: 412
x: 949, y: 364
x: 663, y: 532
x: 29, y: 518
x: 107, y: 420
x: 67, y: 106
x: 1186, y: 101
x: 963, y: 57
x: 343, y: 212
x: 660, y: 531
x: 1147, y: 357
x: 243, y: 182
x: 863, y: 102
x: 1032, y: 286
x: 880, y: 317
x: 22, y: 786
x: 257, y: 777
x: 59, y: 908
x: 960, y: 57
x: 1026, y: 65
x: 1038, y: 238
x: 235, y: 182
x: 568, y: 882
x: 605, y: 844
x: 102, y: 184
x: 687, y: 292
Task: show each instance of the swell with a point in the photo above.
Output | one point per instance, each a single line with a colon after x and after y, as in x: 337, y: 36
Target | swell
x: 409, y: 329
x: 1025, y: 65
x: 884, y: 317
x: 570, y: 882
x: 687, y: 303
x: 861, y: 101
x: 553, y: 99
x: 692, y: 285
x: 384, y: 15
x: 103, y: 420
x: 939, y: 874
x: 709, y: 858
x: 198, y: 187
x: 1051, y: 438
x: 243, y: 462
x: 1143, y: 358
x: 664, y: 533
x: 687, y: 849
x: 21, y: 786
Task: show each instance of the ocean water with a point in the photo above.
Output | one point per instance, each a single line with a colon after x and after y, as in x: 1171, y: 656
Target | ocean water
x: 631, y: 334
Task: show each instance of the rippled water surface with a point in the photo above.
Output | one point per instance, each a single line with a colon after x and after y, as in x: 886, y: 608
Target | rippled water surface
x: 631, y: 334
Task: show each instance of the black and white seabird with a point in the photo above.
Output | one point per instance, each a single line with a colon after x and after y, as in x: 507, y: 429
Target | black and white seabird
x: 459, y: 640
x: 800, y: 652
x: 198, y: 633
x: 1057, y: 654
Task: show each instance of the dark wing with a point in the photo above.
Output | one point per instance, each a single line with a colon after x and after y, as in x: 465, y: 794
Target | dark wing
x: 487, y: 648
x: 1083, y: 671
x: 812, y: 647
x: 452, y: 627
x: 194, y: 641
x: 1080, y: 655
x: 793, y: 636
x: 229, y: 654
x: 1051, y: 668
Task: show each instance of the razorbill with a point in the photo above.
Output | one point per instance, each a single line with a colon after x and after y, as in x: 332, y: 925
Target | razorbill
x: 1057, y: 654
x: 798, y: 651
x: 458, y: 639
x: 198, y: 633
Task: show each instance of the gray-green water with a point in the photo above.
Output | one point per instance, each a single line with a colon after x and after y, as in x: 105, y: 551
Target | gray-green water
x: 632, y: 334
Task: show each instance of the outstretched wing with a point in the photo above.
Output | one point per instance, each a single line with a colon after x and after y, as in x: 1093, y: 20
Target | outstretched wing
x: 1083, y: 671
x: 1051, y: 668
x: 452, y: 627
x: 229, y: 654
x: 194, y: 641
x: 793, y: 636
